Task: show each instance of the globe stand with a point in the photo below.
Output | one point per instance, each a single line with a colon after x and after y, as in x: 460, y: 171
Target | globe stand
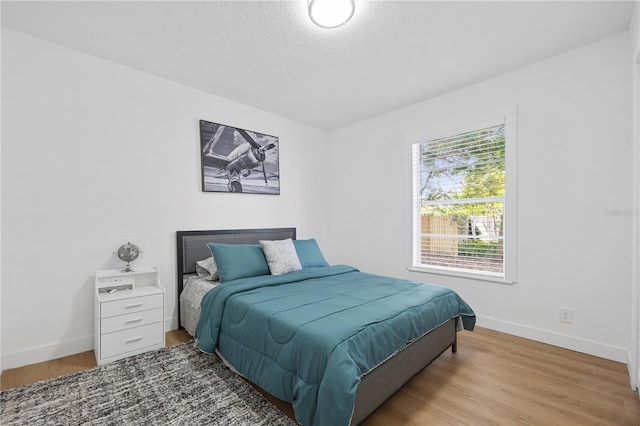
x: 128, y: 253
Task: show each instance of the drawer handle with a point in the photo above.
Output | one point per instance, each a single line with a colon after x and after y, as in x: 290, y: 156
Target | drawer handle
x: 134, y: 305
x: 133, y: 339
x: 131, y: 321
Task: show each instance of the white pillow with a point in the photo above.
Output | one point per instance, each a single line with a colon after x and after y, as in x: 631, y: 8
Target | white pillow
x: 207, y: 269
x: 281, y: 256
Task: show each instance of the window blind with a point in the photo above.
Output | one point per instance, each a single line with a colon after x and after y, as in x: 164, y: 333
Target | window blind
x: 459, y: 198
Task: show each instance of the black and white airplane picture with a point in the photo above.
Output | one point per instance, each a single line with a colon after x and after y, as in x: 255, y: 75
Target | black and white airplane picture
x: 237, y: 160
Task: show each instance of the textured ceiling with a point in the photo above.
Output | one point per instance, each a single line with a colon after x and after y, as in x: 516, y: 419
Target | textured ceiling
x: 268, y: 54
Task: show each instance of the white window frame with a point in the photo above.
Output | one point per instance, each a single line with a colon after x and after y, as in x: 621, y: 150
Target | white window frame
x: 509, y: 116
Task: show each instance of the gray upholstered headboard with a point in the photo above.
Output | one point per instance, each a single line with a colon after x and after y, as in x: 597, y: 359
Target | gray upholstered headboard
x: 192, y: 245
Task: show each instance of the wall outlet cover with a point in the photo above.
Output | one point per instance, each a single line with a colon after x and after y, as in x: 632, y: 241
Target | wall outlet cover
x: 566, y: 315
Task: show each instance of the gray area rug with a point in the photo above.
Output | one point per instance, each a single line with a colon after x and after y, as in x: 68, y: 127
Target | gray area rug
x: 178, y: 385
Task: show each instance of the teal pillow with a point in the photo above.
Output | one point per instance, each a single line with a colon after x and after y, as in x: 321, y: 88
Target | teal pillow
x: 309, y: 253
x: 237, y: 261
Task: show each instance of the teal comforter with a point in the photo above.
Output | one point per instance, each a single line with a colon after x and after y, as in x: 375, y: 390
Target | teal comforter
x: 308, y: 336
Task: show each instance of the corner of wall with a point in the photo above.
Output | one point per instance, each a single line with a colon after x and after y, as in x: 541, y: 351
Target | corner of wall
x: 634, y: 32
x: 0, y: 221
x: 633, y: 363
x: 634, y: 29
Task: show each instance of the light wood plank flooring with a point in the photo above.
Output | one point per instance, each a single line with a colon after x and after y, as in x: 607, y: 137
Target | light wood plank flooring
x: 494, y: 378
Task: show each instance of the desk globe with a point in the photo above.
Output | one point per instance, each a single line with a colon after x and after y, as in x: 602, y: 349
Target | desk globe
x: 128, y: 253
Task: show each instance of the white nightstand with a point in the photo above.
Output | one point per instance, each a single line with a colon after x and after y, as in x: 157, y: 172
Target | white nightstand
x: 129, y: 313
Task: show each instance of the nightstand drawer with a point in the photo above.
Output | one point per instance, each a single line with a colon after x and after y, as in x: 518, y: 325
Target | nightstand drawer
x: 134, y: 319
x: 134, y: 304
x: 129, y: 340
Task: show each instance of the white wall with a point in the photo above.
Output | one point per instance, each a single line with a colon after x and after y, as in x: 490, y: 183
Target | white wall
x: 95, y: 154
x: 574, y: 165
x: 84, y: 140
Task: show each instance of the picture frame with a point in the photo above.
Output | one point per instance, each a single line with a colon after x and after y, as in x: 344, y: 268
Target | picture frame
x: 238, y: 160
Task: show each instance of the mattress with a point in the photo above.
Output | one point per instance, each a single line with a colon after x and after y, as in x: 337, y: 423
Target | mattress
x: 194, y: 290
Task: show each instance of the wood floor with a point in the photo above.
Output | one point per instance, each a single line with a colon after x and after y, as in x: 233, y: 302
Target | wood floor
x: 494, y: 378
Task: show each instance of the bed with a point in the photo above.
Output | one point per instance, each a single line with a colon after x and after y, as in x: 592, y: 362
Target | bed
x: 329, y: 372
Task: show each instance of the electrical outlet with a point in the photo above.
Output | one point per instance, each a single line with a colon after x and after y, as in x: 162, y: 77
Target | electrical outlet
x: 566, y: 315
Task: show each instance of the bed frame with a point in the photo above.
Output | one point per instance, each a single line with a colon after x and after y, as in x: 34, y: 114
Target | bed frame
x: 377, y: 385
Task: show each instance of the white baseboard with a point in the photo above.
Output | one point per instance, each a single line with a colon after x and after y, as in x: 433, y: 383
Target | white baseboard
x: 59, y: 350
x: 602, y: 350
x: 170, y: 324
x: 631, y: 365
x: 47, y: 352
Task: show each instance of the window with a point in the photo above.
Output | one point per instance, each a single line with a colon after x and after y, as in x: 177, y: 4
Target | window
x: 462, y: 207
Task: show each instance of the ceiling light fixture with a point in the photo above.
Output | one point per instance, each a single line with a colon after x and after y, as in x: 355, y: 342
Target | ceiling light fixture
x: 331, y: 13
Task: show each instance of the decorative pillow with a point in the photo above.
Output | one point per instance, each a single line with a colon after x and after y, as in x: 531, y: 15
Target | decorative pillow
x: 207, y: 269
x: 309, y: 253
x: 237, y: 261
x: 281, y: 256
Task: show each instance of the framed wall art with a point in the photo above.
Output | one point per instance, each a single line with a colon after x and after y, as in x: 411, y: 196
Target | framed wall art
x: 238, y: 160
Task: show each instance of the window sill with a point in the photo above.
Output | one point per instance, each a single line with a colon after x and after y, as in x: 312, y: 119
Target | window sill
x: 462, y: 274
